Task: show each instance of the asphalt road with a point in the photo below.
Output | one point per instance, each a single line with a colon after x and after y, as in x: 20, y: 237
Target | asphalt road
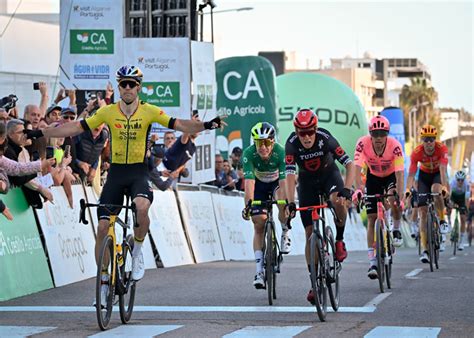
x: 196, y: 301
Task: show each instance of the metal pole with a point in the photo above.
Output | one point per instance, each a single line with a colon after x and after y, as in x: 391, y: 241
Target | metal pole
x: 212, y: 25
x: 201, y: 24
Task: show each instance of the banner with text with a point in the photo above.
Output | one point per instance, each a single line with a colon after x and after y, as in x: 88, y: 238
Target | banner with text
x: 23, y: 265
x: 91, y: 42
x: 70, y: 244
x: 246, y: 95
x: 165, y: 63
x: 338, y: 108
x: 200, y: 222
x: 167, y: 230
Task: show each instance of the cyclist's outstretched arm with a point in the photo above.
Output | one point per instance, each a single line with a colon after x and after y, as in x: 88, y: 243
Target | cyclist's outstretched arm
x: 350, y: 175
x: 358, y: 177
x: 399, y: 175
x: 64, y: 130
x: 195, y: 126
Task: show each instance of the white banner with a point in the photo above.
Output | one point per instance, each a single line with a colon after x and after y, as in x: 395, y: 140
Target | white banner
x: 165, y: 63
x: 70, y: 244
x: 167, y: 230
x: 146, y: 248
x: 204, y: 101
x: 200, y: 222
x: 236, y: 233
x: 91, y: 42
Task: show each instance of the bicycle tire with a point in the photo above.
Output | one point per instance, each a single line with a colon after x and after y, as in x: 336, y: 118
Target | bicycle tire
x: 429, y: 234
x: 380, y: 252
x: 437, y: 242
x: 274, y: 265
x: 104, y: 314
x: 418, y: 242
x: 455, y: 235
x: 388, y: 261
x: 318, y: 277
x: 126, y: 299
x: 332, y: 271
x: 268, y: 262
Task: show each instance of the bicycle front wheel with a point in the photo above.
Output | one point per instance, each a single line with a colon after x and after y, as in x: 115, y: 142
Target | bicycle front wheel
x: 379, y: 247
x: 269, y: 265
x: 332, y: 270
x: 454, y: 236
x: 318, y: 276
x: 105, y: 290
x: 430, y: 235
x: 127, y: 296
x: 388, y: 260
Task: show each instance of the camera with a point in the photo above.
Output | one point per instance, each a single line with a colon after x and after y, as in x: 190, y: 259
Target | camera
x: 49, y: 152
x: 36, y: 86
x: 8, y: 102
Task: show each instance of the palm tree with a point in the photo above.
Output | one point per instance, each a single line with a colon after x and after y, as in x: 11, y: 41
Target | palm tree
x: 421, y: 95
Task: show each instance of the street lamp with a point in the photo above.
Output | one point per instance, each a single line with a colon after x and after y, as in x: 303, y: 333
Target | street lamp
x: 212, y: 4
x: 412, y: 120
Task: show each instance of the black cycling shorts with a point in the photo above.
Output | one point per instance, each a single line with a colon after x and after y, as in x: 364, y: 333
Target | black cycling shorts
x: 425, y: 181
x: 132, y: 179
x: 310, y: 188
x: 377, y: 185
x: 460, y: 200
x: 262, y: 192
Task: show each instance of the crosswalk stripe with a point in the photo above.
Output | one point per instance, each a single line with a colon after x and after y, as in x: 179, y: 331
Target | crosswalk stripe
x: 403, y: 331
x: 267, y: 331
x: 369, y: 308
x: 142, y: 331
x: 22, y: 331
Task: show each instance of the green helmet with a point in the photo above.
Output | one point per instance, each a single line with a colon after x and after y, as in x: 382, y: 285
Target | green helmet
x: 262, y: 131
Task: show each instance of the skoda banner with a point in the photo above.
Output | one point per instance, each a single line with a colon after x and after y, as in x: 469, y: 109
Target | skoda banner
x: 23, y: 265
x: 338, y: 108
x: 246, y: 95
x: 91, y: 42
x: 165, y: 63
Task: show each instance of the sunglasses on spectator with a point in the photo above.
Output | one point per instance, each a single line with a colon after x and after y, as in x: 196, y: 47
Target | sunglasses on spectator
x: 170, y: 138
x: 429, y: 139
x: 379, y: 133
x: 69, y: 117
x: 266, y: 142
x: 306, y: 132
x: 130, y: 84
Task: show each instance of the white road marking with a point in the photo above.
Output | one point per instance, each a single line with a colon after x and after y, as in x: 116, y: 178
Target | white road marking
x: 22, y: 331
x: 452, y: 258
x: 267, y: 331
x: 289, y: 309
x: 377, y: 300
x: 137, y: 331
x: 403, y: 331
x: 412, y: 274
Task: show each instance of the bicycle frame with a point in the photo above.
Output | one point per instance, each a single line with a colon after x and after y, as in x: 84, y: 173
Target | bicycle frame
x: 432, y: 231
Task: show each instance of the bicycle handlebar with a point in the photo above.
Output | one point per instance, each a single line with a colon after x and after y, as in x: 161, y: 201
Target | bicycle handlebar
x: 84, y: 205
x: 269, y: 202
x: 379, y: 197
x: 328, y: 204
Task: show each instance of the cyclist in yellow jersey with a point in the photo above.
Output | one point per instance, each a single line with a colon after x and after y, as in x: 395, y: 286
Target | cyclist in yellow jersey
x: 129, y: 122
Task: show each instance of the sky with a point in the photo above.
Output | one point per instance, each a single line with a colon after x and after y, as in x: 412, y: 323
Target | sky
x: 439, y: 34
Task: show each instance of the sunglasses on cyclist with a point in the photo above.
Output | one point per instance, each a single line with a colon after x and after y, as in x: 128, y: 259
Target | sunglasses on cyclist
x: 379, y: 133
x: 460, y: 180
x: 306, y: 132
x: 129, y: 83
x: 266, y: 142
x: 429, y: 139
x: 69, y: 117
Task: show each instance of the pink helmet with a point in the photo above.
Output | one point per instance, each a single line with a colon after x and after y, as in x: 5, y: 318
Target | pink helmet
x: 379, y: 122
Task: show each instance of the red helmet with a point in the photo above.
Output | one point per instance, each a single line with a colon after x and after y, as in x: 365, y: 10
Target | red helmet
x: 305, y: 118
x: 379, y: 122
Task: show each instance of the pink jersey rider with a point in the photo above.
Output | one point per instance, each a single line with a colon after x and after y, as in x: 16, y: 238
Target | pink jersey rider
x: 379, y: 165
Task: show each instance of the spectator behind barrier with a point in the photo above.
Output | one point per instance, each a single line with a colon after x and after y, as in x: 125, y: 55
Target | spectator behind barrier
x: 161, y: 177
x: 61, y: 171
x: 236, y: 162
x: 229, y: 177
x: 53, y: 114
x: 169, y: 139
x: 32, y: 188
x: 219, y: 172
x: 33, y: 116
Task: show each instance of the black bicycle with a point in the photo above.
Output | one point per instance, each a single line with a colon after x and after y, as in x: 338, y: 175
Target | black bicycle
x: 115, y: 274
x: 432, y: 228
x: 324, y: 267
x: 272, y: 256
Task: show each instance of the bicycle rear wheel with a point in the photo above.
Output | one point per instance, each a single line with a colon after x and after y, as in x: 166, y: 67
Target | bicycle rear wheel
x: 455, y: 235
x: 105, y: 266
x: 333, y: 268
x: 379, y: 247
x: 436, y: 243
x: 318, y: 277
x: 430, y: 235
x: 128, y: 287
x: 269, y: 266
x: 275, y: 263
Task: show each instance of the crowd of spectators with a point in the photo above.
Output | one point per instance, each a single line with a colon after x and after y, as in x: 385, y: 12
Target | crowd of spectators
x: 229, y: 172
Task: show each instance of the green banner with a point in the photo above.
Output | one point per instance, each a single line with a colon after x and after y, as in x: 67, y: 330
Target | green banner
x: 161, y: 94
x: 23, y: 265
x: 338, y: 108
x: 91, y: 41
x: 246, y: 95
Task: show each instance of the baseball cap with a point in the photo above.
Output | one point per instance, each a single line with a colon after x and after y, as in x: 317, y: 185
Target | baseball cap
x: 158, y: 151
x: 53, y: 107
x: 68, y: 111
x: 237, y: 151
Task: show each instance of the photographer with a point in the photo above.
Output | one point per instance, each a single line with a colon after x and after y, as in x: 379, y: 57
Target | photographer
x: 8, y: 107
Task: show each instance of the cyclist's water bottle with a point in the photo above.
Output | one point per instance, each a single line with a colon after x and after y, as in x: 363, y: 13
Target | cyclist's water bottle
x: 119, y: 255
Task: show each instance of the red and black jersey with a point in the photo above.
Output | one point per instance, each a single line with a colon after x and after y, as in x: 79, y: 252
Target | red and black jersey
x: 319, y: 158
